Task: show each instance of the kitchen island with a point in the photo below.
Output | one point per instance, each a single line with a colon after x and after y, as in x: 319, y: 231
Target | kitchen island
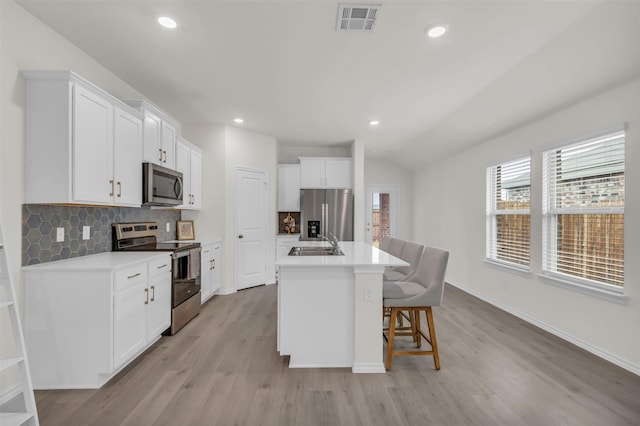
x: 330, y: 308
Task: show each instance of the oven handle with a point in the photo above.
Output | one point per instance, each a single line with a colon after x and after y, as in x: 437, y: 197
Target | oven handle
x: 183, y: 253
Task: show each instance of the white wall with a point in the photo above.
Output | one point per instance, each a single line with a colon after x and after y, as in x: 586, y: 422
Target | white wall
x: 449, y: 211
x: 26, y: 43
x: 253, y: 151
x: 379, y: 172
x: 209, y: 223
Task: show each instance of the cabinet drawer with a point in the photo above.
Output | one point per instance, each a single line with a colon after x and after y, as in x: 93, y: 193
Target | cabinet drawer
x: 129, y: 276
x: 159, y: 266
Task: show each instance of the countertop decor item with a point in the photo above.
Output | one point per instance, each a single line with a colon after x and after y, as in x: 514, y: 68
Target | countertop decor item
x: 290, y: 224
x: 184, y: 230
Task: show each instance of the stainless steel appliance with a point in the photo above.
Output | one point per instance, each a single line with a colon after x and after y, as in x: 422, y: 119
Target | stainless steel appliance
x: 326, y: 211
x: 185, y: 267
x: 161, y: 186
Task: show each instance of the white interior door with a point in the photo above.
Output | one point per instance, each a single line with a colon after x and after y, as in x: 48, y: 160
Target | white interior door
x: 251, y: 228
x: 381, y: 212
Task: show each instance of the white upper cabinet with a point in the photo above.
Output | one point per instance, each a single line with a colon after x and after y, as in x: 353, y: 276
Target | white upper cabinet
x: 127, y: 158
x: 160, y: 134
x: 189, y: 162
x: 92, y: 147
x: 169, y: 138
x: 152, y: 139
x: 83, y: 145
x: 325, y: 172
x: 288, y: 188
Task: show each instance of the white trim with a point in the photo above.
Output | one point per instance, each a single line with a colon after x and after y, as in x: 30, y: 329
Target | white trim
x: 226, y: 291
x: 368, y: 367
x: 511, y: 267
x: 612, y: 295
x: 606, y: 355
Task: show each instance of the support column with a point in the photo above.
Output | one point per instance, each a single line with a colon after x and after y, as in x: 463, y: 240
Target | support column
x: 367, y: 353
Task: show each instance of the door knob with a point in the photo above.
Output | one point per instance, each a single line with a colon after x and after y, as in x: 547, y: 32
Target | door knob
x: 240, y: 236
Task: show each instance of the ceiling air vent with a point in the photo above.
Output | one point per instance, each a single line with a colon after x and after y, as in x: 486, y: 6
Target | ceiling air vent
x: 357, y: 17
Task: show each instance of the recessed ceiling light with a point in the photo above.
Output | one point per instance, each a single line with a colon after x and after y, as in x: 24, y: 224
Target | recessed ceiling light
x: 374, y: 123
x: 436, y: 30
x: 167, y: 22
x: 238, y: 120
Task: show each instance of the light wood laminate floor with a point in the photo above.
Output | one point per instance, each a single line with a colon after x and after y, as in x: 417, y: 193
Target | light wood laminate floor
x: 223, y: 369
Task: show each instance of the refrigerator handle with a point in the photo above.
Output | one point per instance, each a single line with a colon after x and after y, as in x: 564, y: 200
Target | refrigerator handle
x: 325, y: 214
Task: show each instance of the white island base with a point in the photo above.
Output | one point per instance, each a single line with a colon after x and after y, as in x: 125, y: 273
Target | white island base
x: 330, y: 308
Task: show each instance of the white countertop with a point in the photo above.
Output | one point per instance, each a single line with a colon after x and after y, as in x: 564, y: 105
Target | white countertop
x: 103, y: 261
x: 355, y: 254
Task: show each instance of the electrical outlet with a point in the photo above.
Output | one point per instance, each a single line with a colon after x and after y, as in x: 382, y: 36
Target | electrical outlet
x: 368, y: 294
x: 168, y: 227
x: 86, y: 232
x: 59, y: 234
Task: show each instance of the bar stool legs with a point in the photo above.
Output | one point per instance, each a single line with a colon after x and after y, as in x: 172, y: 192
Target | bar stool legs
x: 414, y: 331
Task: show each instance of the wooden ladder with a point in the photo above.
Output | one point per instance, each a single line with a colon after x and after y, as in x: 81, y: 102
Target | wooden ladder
x: 17, y: 401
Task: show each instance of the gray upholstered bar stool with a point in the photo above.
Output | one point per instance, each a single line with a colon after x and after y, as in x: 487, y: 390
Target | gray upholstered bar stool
x: 385, y: 243
x: 424, y: 290
x: 411, y: 253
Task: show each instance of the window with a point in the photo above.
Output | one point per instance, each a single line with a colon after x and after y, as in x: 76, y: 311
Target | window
x: 508, y: 216
x: 583, y: 212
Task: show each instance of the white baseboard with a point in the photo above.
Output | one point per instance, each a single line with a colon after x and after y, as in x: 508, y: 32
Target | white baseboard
x: 226, y: 291
x: 368, y: 367
x: 606, y: 355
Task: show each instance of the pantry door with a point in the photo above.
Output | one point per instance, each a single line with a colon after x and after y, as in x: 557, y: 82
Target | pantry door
x: 251, y: 228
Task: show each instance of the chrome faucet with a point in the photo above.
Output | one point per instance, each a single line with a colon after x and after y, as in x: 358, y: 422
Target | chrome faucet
x: 333, y: 241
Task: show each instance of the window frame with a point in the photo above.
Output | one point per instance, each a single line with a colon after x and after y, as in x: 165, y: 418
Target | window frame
x: 551, y: 214
x: 492, y: 213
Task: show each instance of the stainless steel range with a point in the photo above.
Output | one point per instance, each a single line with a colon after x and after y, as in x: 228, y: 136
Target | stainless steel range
x: 185, y: 267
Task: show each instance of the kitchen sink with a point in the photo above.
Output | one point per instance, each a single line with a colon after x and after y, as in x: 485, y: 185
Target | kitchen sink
x: 315, y: 251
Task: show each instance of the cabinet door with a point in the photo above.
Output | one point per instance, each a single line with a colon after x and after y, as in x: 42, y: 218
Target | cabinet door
x: 196, y: 179
x: 159, y: 307
x: 206, y: 273
x: 216, y: 264
x: 288, y: 188
x: 168, y: 145
x: 311, y: 173
x: 183, y: 165
x: 152, y: 140
x: 129, y: 322
x: 92, y: 148
x: 338, y: 173
x: 127, y: 159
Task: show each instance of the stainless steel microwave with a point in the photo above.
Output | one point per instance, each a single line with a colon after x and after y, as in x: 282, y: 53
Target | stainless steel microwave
x: 161, y: 186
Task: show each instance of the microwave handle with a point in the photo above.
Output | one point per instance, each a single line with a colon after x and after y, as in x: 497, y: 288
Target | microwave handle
x: 177, y: 187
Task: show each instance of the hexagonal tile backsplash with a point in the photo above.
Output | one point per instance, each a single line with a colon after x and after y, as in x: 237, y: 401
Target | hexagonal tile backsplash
x: 39, y: 223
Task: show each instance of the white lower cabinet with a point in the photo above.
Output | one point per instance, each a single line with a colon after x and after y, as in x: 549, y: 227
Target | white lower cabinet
x: 210, y: 269
x: 141, y: 307
x: 129, y: 322
x: 159, y: 293
x: 284, y: 244
x: 87, y: 318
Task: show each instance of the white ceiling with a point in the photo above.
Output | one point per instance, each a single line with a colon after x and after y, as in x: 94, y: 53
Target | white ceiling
x: 284, y: 68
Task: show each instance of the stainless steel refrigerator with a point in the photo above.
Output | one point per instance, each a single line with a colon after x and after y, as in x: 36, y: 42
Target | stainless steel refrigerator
x: 325, y: 211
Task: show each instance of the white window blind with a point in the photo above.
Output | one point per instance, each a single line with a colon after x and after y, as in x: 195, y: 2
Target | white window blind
x: 583, y: 211
x: 508, y: 213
